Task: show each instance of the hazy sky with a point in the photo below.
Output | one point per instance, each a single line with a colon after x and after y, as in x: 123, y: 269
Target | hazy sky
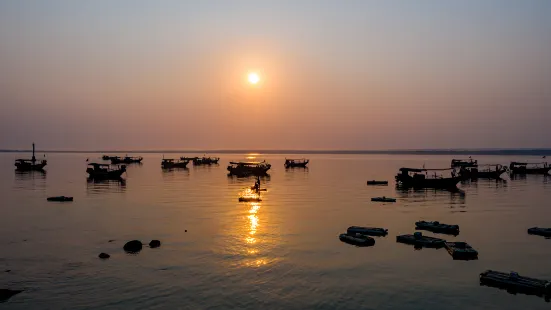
x: 85, y: 75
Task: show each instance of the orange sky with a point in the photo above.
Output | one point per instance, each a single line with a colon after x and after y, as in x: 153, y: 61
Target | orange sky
x: 360, y: 75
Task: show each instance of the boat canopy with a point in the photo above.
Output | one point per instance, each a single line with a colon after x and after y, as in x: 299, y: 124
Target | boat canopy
x: 168, y: 159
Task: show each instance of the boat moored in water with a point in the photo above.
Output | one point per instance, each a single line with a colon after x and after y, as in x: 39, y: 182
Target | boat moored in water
x: 383, y: 199
x: 296, y: 163
x: 418, y: 240
x: 420, y: 178
x: 105, y: 171
x: 369, y: 231
x: 30, y: 164
x: 513, y: 283
x: 358, y: 240
x: 467, y: 163
x: 437, y: 227
x: 60, y: 198
x: 169, y: 163
x: 546, y: 232
x: 461, y: 250
x: 248, y: 168
x: 126, y: 160
x: 529, y: 168
x: 374, y: 182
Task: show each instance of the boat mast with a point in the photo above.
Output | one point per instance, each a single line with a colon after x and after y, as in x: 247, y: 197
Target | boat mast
x: 33, y: 158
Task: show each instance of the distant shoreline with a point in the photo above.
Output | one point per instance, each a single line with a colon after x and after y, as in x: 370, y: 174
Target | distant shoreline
x: 505, y: 152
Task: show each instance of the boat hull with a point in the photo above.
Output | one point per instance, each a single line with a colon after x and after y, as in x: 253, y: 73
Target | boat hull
x: 256, y: 171
x: 30, y: 167
x: 530, y: 170
x: 111, y: 175
x: 444, y: 183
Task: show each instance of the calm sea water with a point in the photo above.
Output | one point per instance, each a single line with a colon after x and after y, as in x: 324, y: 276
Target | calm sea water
x: 283, y: 252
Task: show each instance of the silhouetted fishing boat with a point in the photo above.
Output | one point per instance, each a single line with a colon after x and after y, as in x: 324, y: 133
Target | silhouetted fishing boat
x: 383, y: 199
x: 30, y: 164
x: 296, y: 163
x: 126, y: 160
x: 105, y: 171
x: 169, y: 163
x: 60, y: 198
x: 529, y: 168
x: 249, y: 168
x: 107, y: 157
x: 374, y: 182
x: 420, y: 178
x: 358, y: 240
x: 461, y: 250
x: 438, y: 227
x: 467, y: 163
x: 546, y: 232
x: 370, y: 231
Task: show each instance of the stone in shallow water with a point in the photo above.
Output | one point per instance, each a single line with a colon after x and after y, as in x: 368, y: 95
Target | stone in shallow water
x: 104, y: 255
x: 154, y: 244
x: 5, y: 294
x: 133, y: 246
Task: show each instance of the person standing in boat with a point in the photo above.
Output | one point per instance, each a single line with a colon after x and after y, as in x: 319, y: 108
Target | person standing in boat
x: 257, y: 184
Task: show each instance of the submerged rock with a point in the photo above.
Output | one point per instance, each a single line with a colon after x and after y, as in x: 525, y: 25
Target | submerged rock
x: 104, y: 255
x: 154, y: 244
x: 5, y: 294
x: 133, y: 246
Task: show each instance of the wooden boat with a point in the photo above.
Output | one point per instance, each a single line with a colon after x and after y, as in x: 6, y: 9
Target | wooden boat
x: 248, y: 168
x: 513, y: 282
x: 417, y: 239
x: 296, y: 163
x: 358, y: 240
x: 529, y: 168
x: 60, y: 198
x: 105, y: 171
x: 420, y: 178
x: 374, y: 182
x: 30, y: 164
x: 546, y: 232
x: 490, y: 171
x: 126, y: 160
x: 461, y: 250
x: 383, y: 199
x: 169, y: 163
x: 438, y: 227
x: 369, y: 231
x: 467, y: 163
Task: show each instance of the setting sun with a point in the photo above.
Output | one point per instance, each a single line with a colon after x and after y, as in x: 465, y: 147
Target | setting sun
x: 254, y: 78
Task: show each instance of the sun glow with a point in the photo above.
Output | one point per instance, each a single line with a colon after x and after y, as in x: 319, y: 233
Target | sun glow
x: 253, y: 78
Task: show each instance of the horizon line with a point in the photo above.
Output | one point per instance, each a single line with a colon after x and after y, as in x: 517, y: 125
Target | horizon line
x: 453, y: 151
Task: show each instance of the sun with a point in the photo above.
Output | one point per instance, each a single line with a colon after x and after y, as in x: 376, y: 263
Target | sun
x: 253, y: 78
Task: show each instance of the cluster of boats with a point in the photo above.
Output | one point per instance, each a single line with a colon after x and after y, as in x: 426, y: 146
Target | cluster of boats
x: 462, y: 170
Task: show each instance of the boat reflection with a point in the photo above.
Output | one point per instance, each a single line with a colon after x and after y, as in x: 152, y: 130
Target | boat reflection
x: 34, y: 179
x: 96, y: 186
x: 252, y: 242
x: 455, y: 195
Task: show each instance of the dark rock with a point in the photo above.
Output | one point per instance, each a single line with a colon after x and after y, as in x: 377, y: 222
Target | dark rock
x: 111, y: 240
x: 133, y: 246
x: 154, y: 244
x: 5, y: 294
x: 104, y: 255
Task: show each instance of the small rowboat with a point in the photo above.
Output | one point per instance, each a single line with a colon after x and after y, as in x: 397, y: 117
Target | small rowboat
x: 461, y: 250
x: 60, y: 198
x: 546, y: 232
x: 249, y: 199
x: 358, y: 240
x: 374, y: 182
x: 370, y: 231
x: 383, y: 199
